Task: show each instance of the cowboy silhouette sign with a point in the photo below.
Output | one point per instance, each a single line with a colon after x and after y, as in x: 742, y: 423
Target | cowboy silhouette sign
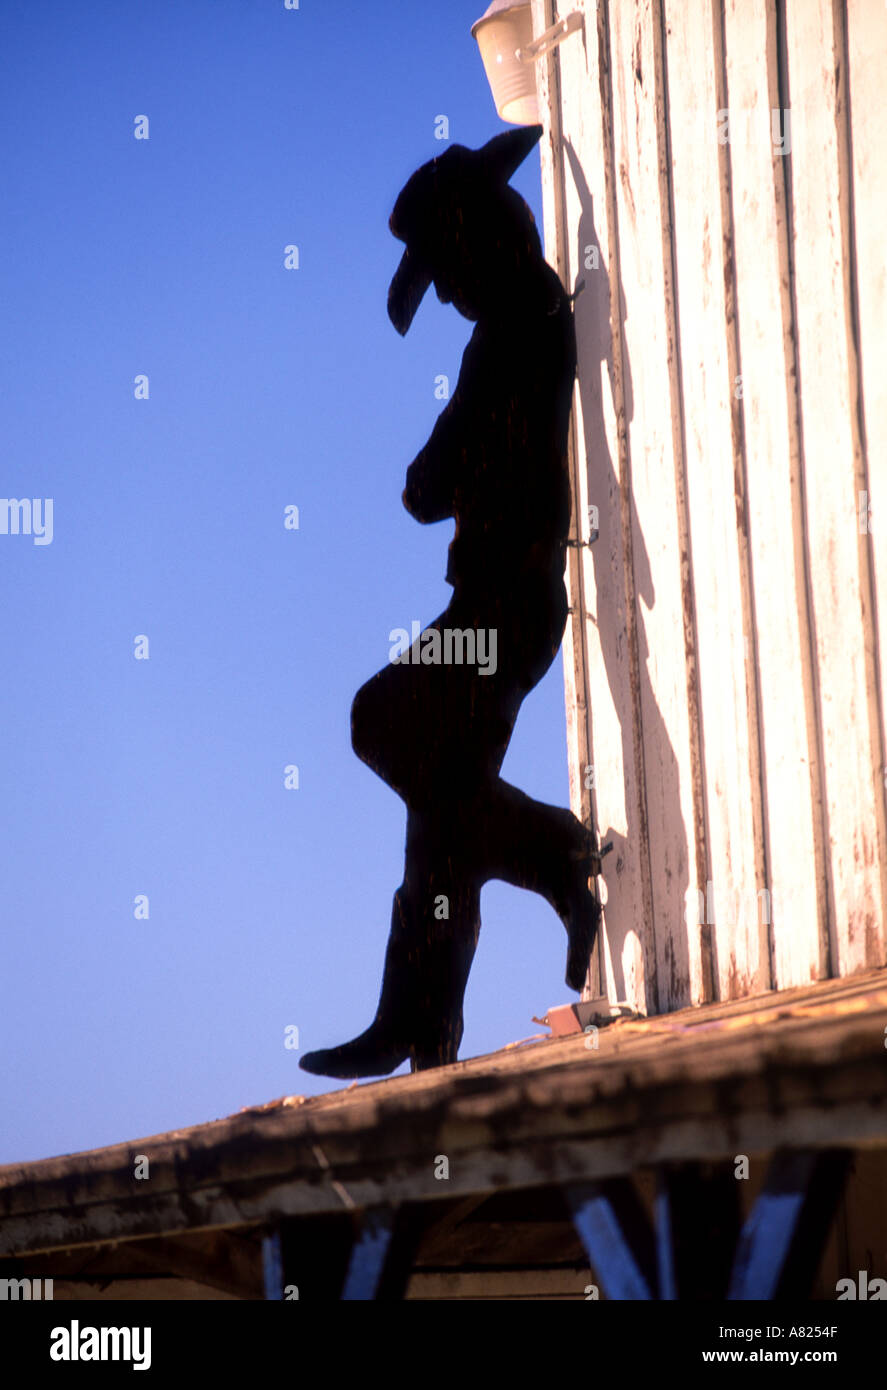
x: 434, y: 725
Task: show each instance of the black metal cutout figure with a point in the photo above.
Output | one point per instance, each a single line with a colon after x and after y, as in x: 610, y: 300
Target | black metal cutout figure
x: 433, y: 725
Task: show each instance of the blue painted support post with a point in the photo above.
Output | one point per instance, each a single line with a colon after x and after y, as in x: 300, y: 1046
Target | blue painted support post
x: 616, y: 1235
x: 782, y: 1240
x: 272, y: 1265
x: 666, y: 1269
x: 369, y: 1254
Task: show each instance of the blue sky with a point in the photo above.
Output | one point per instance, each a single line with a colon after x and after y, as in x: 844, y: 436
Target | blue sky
x: 268, y: 388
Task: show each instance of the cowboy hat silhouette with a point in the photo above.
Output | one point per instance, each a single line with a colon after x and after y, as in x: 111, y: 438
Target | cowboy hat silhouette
x: 430, y: 211
x: 437, y: 731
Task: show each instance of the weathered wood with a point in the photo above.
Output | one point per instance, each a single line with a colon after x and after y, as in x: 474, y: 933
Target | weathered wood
x: 736, y: 630
x: 866, y: 49
x: 440, y: 1232
x: 575, y: 643
x: 218, y: 1260
x: 779, y: 648
x: 716, y: 492
x: 833, y: 476
x: 604, y: 482
x: 806, y: 1072
x: 215, y: 1259
x: 140, y: 1290
x: 540, y: 1285
x: 506, y: 1229
x: 660, y: 537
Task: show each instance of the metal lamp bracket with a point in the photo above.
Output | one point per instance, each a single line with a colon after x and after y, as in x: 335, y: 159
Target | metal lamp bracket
x: 551, y: 38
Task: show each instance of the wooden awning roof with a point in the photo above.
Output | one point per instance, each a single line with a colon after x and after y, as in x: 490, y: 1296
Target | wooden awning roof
x: 806, y: 1067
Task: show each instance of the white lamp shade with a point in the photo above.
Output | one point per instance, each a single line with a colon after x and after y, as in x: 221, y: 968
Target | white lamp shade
x: 500, y: 32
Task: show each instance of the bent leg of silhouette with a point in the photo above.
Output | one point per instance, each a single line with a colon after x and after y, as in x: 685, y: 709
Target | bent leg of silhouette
x: 433, y: 733
x: 546, y: 850
x: 435, y: 923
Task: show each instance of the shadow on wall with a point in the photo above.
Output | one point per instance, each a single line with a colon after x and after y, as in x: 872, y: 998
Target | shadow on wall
x: 657, y: 806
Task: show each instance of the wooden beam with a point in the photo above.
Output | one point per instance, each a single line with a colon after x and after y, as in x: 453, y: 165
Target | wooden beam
x: 703, y: 1085
x: 213, y: 1259
x: 441, y: 1229
x: 218, y: 1259
x: 540, y: 1285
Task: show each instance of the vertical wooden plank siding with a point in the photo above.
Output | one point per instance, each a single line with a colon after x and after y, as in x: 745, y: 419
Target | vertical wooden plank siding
x: 727, y: 663
x: 614, y: 735
x: 716, y: 495
x: 834, y: 475
x: 609, y: 569
x: 866, y: 22
x: 575, y: 655
x: 781, y: 643
x: 659, y: 532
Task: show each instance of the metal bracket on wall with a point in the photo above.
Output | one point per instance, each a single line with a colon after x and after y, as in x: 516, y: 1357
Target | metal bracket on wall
x: 598, y: 855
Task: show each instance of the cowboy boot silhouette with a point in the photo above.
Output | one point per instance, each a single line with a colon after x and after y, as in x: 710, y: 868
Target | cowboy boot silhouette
x: 427, y: 962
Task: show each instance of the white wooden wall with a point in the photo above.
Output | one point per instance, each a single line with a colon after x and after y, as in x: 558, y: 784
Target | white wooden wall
x: 726, y: 655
